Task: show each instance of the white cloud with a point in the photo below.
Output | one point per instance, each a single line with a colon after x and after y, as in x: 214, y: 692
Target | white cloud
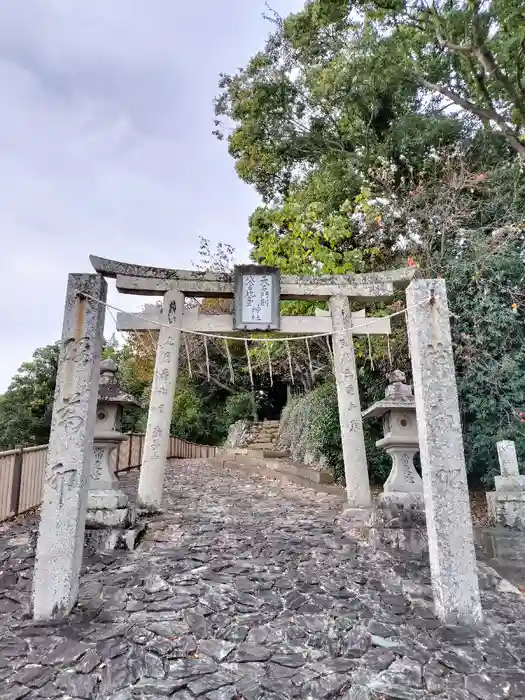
x: 106, y: 145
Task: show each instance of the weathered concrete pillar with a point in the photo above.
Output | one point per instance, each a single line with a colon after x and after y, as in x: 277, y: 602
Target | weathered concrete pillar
x: 449, y: 522
x: 151, y: 481
x: 62, y: 521
x: 352, y: 436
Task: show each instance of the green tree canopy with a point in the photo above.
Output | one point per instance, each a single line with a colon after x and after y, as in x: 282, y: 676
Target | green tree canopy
x: 374, y: 131
x: 26, y: 406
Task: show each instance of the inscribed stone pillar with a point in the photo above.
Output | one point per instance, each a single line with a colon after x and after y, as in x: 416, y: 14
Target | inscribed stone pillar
x: 156, y: 443
x: 506, y: 505
x: 449, y: 523
x: 508, y: 459
x: 352, y: 436
x: 64, y: 502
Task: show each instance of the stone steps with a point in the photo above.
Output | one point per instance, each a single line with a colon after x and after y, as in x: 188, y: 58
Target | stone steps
x: 261, y: 446
x: 267, y: 452
x: 263, y: 436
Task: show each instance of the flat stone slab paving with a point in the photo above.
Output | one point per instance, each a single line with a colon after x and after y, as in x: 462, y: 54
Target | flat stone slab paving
x: 248, y: 588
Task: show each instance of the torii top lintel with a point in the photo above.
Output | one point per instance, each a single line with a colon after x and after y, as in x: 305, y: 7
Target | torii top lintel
x: 155, y: 281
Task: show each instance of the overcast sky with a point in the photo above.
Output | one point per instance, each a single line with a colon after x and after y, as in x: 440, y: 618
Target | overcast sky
x: 106, y: 146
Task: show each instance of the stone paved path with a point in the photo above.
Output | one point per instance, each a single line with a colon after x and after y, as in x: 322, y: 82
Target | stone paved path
x: 247, y: 588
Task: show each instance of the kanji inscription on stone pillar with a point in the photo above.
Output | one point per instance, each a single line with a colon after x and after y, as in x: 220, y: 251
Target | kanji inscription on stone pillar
x: 151, y: 481
x: 352, y: 435
x: 449, y: 522
x: 64, y: 502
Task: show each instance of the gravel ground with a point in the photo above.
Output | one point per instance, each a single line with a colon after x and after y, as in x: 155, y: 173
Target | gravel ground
x: 248, y: 588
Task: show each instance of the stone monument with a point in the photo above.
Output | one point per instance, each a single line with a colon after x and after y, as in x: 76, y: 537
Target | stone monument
x: 506, y: 505
x: 151, y: 479
x: 108, y: 510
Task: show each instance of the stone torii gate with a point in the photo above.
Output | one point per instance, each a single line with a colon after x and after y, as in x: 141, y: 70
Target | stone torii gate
x: 64, y: 499
x: 175, y: 285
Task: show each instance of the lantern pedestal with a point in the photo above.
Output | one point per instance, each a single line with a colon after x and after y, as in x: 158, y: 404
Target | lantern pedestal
x: 403, y: 485
x: 107, y: 504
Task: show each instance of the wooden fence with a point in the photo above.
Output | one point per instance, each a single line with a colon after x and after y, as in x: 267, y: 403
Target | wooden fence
x: 22, y: 470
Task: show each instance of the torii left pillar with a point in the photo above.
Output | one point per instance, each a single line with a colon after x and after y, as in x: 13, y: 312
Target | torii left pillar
x: 156, y: 443
x: 352, y: 435
x: 64, y: 500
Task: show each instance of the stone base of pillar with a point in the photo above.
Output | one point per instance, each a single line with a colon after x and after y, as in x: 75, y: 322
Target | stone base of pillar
x: 115, y: 517
x: 507, y: 508
x: 408, y: 507
x: 359, y: 516
x: 149, y: 510
x: 107, y: 539
x: 106, y: 499
x: 356, y: 517
x: 396, y: 521
x: 400, y: 523
x: 111, y: 523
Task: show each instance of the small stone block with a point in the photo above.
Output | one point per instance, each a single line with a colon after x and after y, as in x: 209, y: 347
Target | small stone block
x: 107, y: 499
x: 510, y: 496
x: 510, y: 483
x: 107, y: 518
x: 491, y: 506
x: 130, y: 538
x: 102, y: 539
x: 506, y: 508
x: 403, y: 501
x: 410, y: 539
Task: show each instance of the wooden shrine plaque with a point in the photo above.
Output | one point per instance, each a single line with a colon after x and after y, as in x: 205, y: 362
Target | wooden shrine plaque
x: 257, y: 296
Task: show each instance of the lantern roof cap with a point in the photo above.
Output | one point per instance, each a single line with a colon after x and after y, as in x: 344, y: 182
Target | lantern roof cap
x: 109, y: 390
x: 398, y: 395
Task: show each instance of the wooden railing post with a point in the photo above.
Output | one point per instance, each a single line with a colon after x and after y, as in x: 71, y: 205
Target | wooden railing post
x: 17, y: 481
x: 130, y: 450
x: 117, y: 459
x: 141, y: 447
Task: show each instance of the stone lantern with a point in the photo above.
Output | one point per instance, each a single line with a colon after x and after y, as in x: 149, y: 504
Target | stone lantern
x: 400, y: 441
x: 107, y: 505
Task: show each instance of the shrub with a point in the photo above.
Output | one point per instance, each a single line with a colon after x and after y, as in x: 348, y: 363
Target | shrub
x: 310, y: 429
x: 238, y: 407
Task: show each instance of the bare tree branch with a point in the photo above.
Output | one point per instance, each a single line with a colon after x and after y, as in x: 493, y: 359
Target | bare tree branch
x: 482, y: 113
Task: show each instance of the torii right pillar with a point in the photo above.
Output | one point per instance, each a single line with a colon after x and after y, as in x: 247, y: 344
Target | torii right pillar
x: 449, y: 522
x: 156, y: 444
